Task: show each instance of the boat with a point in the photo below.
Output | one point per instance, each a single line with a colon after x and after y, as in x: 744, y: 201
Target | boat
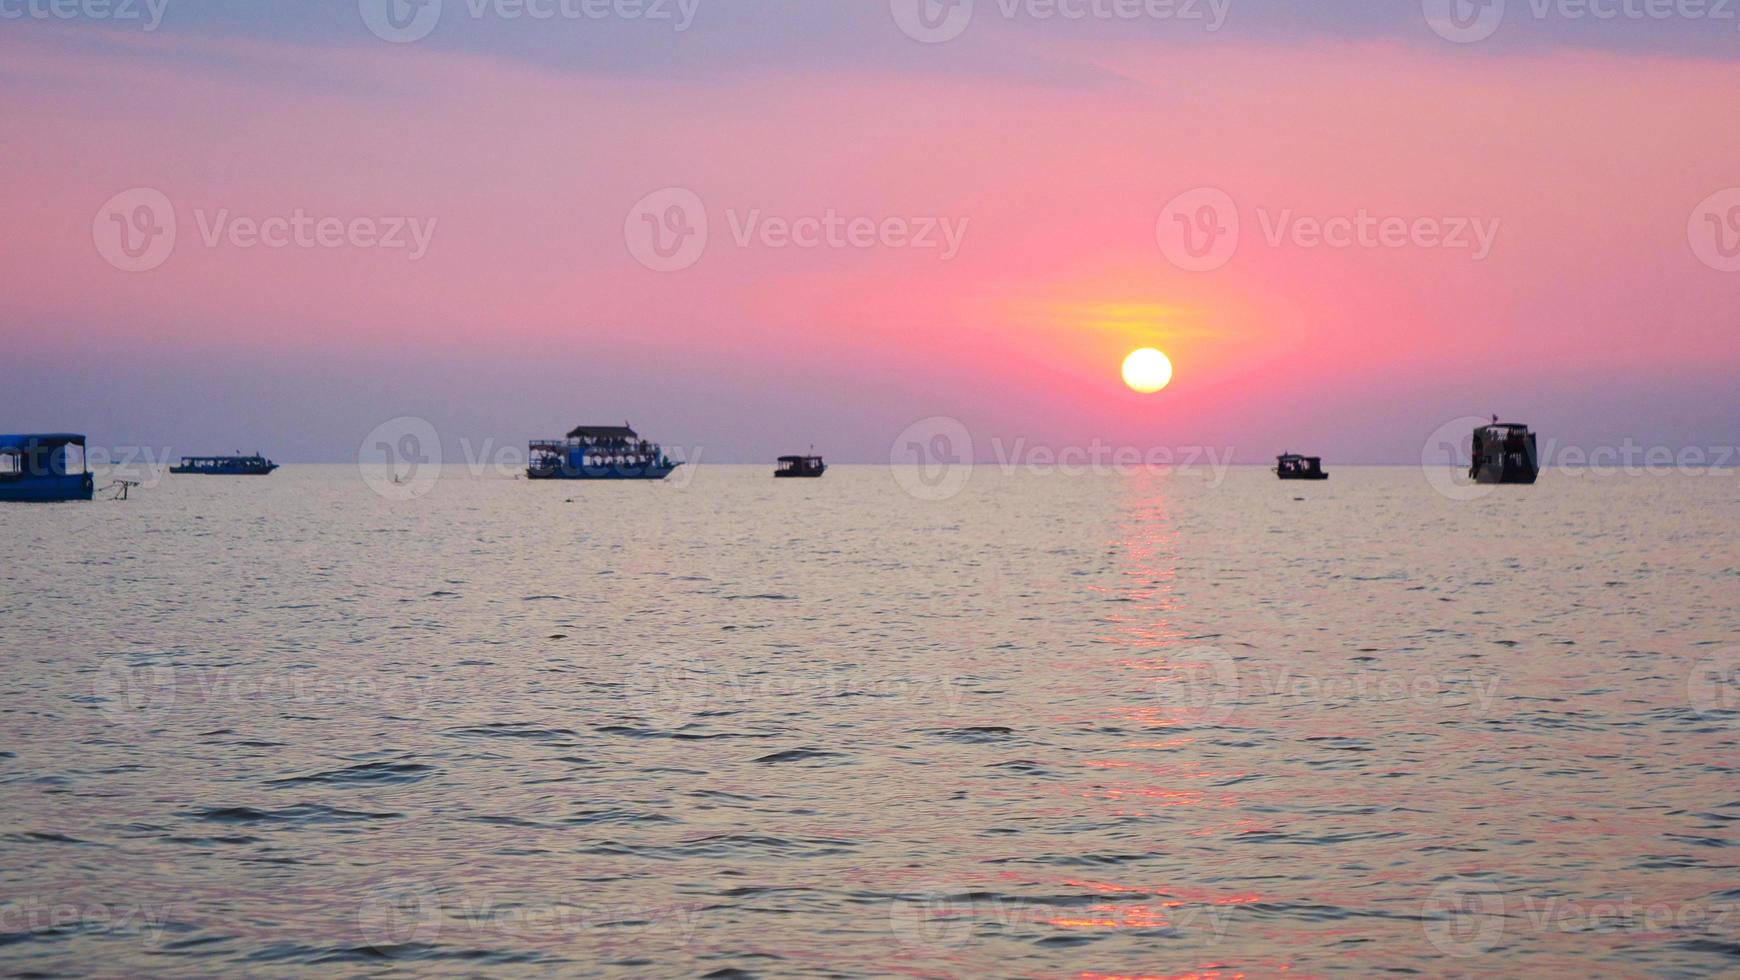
x: 1292, y: 466
x: 255, y: 465
x: 800, y: 466
x: 1504, y: 452
x: 598, y: 452
x: 44, y: 468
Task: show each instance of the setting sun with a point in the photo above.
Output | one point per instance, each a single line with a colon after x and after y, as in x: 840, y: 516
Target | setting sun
x: 1147, y: 370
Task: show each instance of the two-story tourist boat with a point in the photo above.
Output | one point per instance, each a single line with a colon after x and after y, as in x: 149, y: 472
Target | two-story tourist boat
x: 255, y: 465
x: 800, y: 466
x: 1291, y: 466
x: 1504, y: 452
x: 599, y: 452
x: 44, y: 468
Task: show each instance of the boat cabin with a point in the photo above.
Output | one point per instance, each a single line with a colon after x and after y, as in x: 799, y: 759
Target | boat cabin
x: 44, y: 468
x: 255, y: 465
x: 1291, y: 466
x: 1504, y: 452
x: 797, y: 466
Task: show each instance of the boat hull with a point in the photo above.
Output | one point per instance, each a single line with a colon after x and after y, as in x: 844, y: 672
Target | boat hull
x: 224, y: 471
x: 805, y: 475
x: 654, y: 472
x: 1515, y: 461
x: 47, y: 490
x: 1303, y: 476
x: 1500, y: 474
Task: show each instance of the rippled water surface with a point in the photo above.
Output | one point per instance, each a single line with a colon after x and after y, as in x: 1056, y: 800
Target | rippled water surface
x: 1150, y: 725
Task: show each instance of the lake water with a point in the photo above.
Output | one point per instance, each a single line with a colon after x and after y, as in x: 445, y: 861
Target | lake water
x: 1100, y: 726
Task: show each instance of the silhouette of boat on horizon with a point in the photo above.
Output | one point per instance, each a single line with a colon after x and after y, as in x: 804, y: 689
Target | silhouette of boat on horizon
x: 799, y: 467
x: 47, y: 467
x: 1504, y: 452
x: 238, y: 465
x: 1292, y: 466
x: 598, y: 452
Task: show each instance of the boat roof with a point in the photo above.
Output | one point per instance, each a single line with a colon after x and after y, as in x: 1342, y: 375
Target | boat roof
x: 603, y: 432
x: 1297, y: 456
x: 797, y: 459
x: 21, y: 440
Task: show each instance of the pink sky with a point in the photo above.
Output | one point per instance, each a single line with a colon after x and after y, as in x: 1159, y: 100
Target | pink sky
x: 1592, y: 316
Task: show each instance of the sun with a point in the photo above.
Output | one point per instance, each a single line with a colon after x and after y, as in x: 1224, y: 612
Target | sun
x: 1147, y: 370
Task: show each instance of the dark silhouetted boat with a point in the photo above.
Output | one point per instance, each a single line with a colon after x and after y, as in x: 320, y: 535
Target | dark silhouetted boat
x: 598, y: 452
x: 44, y: 468
x: 255, y: 465
x: 1291, y: 466
x: 800, y: 466
x: 1504, y: 452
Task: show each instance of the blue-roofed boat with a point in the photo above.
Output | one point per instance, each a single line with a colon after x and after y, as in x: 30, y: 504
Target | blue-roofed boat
x: 44, y: 468
x: 599, y: 452
x: 255, y: 465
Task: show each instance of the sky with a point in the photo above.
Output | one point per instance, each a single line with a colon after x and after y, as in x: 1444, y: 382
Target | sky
x: 751, y: 227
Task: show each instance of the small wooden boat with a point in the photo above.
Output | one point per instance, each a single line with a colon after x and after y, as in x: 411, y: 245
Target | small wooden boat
x: 1291, y: 466
x: 800, y: 466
